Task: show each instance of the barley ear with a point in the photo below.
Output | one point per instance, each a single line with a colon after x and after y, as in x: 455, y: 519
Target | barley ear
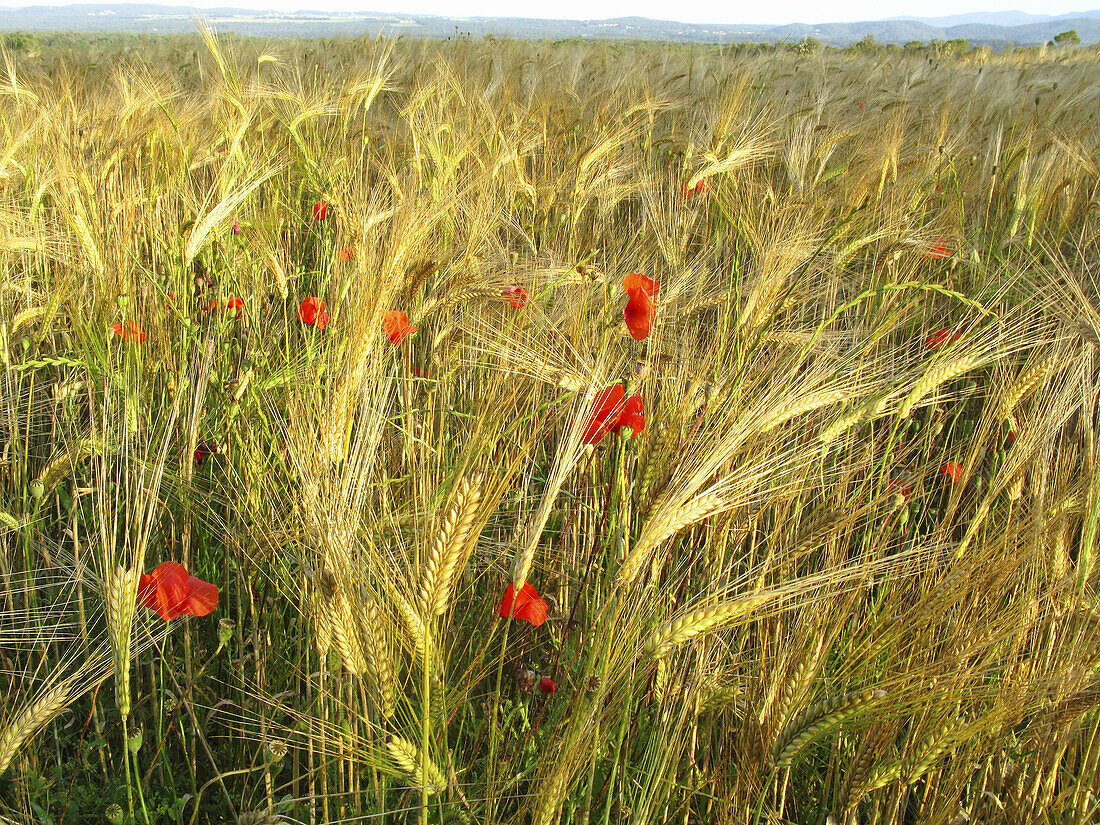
x: 448, y: 550
x: 817, y: 720
x: 31, y: 720
x: 692, y: 624
x: 668, y: 520
x: 121, y: 605
x: 405, y: 756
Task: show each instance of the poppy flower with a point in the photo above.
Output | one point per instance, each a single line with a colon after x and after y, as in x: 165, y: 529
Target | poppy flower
x: 172, y: 593
x: 236, y: 227
x: 546, y: 685
x: 346, y: 254
x: 396, y: 325
x: 517, y: 296
x: 130, y: 332
x: 612, y: 410
x: 320, y: 211
x: 697, y: 189
x: 953, y: 471
x: 640, y: 309
x: 528, y: 605
x: 203, y: 450
x: 939, y: 250
x: 940, y: 337
x: 235, y: 303
x: 312, y: 312
x: 417, y: 372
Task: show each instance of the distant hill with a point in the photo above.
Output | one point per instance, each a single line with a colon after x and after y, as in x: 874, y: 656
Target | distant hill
x: 997, y: 29
x: 997, y: 18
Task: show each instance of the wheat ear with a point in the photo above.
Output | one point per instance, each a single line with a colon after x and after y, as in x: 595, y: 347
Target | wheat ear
x: 692, y: 624
x: 816, y: 720
x: 934, y: 377
x: 30, y: 721
x: 922, y: 759
x: 378, y: 656
x: 413, y: 622
x: 806, y: 404
x: 345, y: 632
x: 448, y: 550
x: 668, y: 520
x: 121, y: 604
x: 404, y: 755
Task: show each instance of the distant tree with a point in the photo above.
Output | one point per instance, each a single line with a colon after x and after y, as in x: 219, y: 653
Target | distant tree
x: 808, y: 45
x: 1070, y: 38
x: 19, y: 42
x: 914, y: 46
x: 955, y: 47
x: 866, y: 45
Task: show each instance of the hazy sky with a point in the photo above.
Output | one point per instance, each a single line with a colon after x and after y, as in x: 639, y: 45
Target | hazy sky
x: 694, y: 11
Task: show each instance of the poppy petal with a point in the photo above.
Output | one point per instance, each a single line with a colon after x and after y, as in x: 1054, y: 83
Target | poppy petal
x: 631, y: 415
x: 202, y: 598
x: 396, y: 326
x: 636, y: 280
x: 604, y: 408
x: 638, y: 314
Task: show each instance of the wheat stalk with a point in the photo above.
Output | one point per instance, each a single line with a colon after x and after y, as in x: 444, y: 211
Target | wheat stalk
x: 222, y: 210
x: 816, y: 720
x: 346, y: 626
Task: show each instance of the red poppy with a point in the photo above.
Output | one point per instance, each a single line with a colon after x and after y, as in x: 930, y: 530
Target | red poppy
x: 517, y: 296
x: 953, y: 471
x: 130, y: 332
x: 396, y: 325
x: 697, y: 189
x: 939, y: 250
x: 236, y: 227
x: 636, y: 280
x: 940, y: 337
x: 546, y: 685
x: 861, y: 107
x: 611, y: 411
x: 235, y: 303
x: 1011, y: 436
x: 640, y: 309
x: 172, y: 593
x: 528, y: 606
x: 419, y: 373
x: 346, y: 254
x: 312, y: 312
x: 203, y: 450
x: 320, y: 211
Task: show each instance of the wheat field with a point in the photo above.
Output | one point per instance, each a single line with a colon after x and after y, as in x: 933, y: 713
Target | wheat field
x: 799, y: 527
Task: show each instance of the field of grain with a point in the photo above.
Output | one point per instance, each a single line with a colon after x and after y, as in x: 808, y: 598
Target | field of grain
x: 802, y: 519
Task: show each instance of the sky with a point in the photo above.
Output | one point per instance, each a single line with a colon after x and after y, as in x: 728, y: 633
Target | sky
x: 688, y: 11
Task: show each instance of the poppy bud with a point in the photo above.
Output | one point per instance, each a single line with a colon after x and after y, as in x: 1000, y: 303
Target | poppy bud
x: 225, y: 631
x: 276, y: 750
x: 526, y: 680
x: 134, y: 739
